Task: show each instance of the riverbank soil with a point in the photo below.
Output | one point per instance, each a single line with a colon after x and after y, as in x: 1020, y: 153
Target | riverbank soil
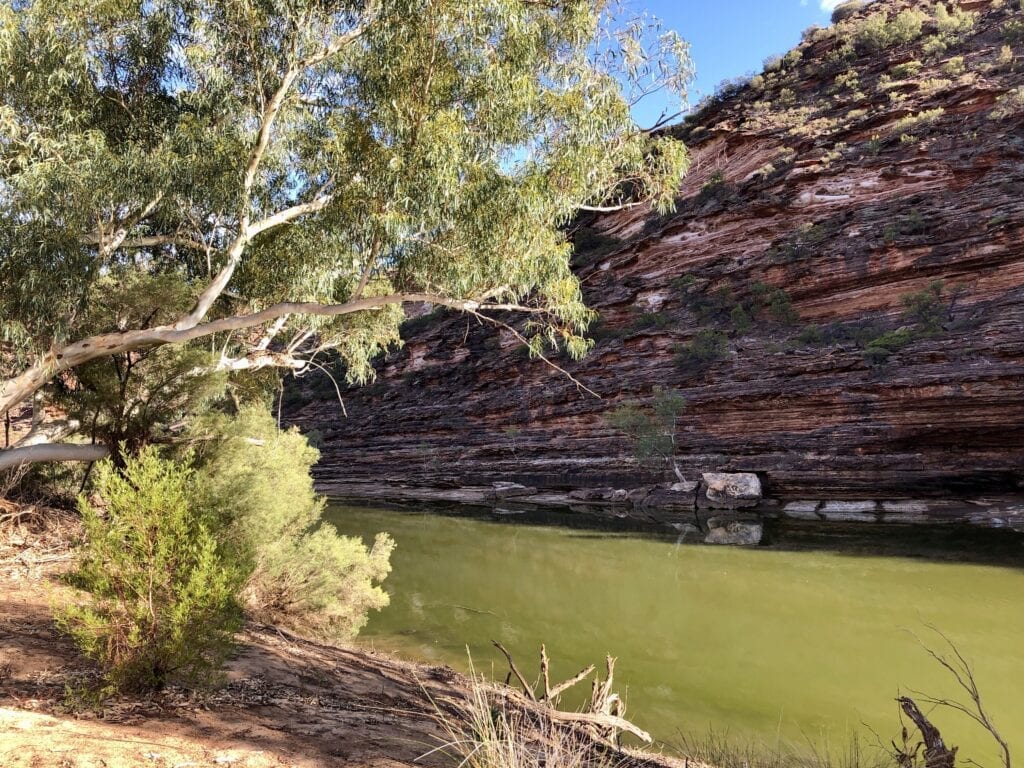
x: 286, y: 701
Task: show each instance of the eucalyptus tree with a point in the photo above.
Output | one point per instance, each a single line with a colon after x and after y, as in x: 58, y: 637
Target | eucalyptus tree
x: 293, y: 171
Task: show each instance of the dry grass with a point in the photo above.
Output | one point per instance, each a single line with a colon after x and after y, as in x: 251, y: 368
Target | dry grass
x: 33, y: 535
x: 492, y: 730
x: 720, y: 750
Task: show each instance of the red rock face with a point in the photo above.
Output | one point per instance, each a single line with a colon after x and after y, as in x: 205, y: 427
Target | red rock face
x: 856, y: 202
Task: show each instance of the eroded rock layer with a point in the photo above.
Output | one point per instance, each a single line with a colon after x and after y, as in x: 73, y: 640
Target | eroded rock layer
x: 839, y: 295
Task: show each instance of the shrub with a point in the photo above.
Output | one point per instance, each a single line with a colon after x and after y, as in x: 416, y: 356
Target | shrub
x: 955, y: 24
x: 906, y: 70
x: 652, y: 428
x: 934, y: 46
x: 1005, y: 58
x: 926, y: 308
x: 651, y: 321
x: 918, y: 121
x: 955, y: 66
x: 161, y: 591
x: 1010, y: 104
x: 739, y: 319
x: 810, y: 336
x: 844, y: 11
x: 254, y: 478
x: 879, y: 350
x: 879, y: 32
x: 848, y: 80
x: 706, y: 347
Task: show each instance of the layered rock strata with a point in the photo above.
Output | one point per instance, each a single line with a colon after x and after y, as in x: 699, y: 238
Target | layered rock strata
x: 839, y: 296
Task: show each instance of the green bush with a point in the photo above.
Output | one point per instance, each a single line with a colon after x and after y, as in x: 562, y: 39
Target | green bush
x: 705, y: 348
x: 955, y: 24
x: 879, y: 350
x: 906, y: 70
x: 645, y: 321
x: 255, y: 479
x: 811, y: 336
x: 652, y: 427
x: 844, y: 11
x: 161, y: 591
x: 879, y: 31
x: 927, y: 308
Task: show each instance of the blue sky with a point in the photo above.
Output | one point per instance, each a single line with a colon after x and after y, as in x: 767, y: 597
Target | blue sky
x: 732, y: 37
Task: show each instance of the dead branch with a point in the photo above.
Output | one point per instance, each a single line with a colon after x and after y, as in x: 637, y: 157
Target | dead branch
x: 604, y: 716
x: 544, y: 672
x: 601, y: 722
x: 960, y: 668
x: 527, y: 688
x: 936, y: 753
x: 579, y: 677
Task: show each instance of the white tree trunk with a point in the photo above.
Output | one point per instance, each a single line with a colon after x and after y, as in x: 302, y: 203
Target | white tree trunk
x: 12, y: 458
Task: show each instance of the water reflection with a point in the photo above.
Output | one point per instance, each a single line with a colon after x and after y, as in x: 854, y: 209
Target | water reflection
x: 803, y: 638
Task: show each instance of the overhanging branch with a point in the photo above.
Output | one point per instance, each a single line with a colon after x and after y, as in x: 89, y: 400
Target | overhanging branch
x: 12, y: 458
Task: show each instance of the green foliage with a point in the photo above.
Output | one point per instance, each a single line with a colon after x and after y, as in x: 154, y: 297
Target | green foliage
x: 879, y: 31
x: 739, y: 319
x: 254, y: 479
x: 714, y: 180
x: 417, y: 127
x: 924, y: 311
x: 909, y: 225
x: 879, y: 350
x: 803, y: 243
x: 810, y: 336
x: 919, y: 121
x: 926, y: 308
x: 722, y: 308
x: 160, y: 590
x: 954, y: 24
x: 773, y: 302
x: 1010, y: 104
x: 651, y: 321
x: 847, y: 9
x: 955, y: 66
x: 906, y: 70
x: 935, y: 46
x: 126, y: 398
x: 651, y: 427
x: 1013, y: 30
x: 849, y: 80
x: 707, y: 347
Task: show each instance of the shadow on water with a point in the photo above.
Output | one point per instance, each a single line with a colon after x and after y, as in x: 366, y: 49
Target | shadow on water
x: 939, y: 542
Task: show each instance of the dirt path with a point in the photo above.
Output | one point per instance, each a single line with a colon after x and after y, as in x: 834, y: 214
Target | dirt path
x: 287, y: 702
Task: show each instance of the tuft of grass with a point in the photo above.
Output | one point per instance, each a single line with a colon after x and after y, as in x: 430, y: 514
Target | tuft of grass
x: 719, y: 749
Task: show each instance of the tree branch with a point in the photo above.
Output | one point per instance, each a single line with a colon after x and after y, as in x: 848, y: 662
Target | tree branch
x: 288, y: 215
x: 11, y: 458
x: 17, y: 389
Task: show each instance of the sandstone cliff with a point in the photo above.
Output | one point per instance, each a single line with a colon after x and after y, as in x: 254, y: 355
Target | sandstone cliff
x: 839, y: 294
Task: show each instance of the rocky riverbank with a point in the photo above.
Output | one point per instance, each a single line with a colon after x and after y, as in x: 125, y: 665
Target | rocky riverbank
x: 736, y: 516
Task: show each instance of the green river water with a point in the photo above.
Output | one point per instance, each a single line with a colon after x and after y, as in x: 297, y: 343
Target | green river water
x: 805, y: 640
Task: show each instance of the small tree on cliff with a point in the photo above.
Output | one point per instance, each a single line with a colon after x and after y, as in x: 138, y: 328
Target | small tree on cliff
x: 301, y: 169
x: 653, y: 428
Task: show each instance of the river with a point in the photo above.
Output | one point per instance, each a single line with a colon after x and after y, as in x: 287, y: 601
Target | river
x: 805, y: 640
